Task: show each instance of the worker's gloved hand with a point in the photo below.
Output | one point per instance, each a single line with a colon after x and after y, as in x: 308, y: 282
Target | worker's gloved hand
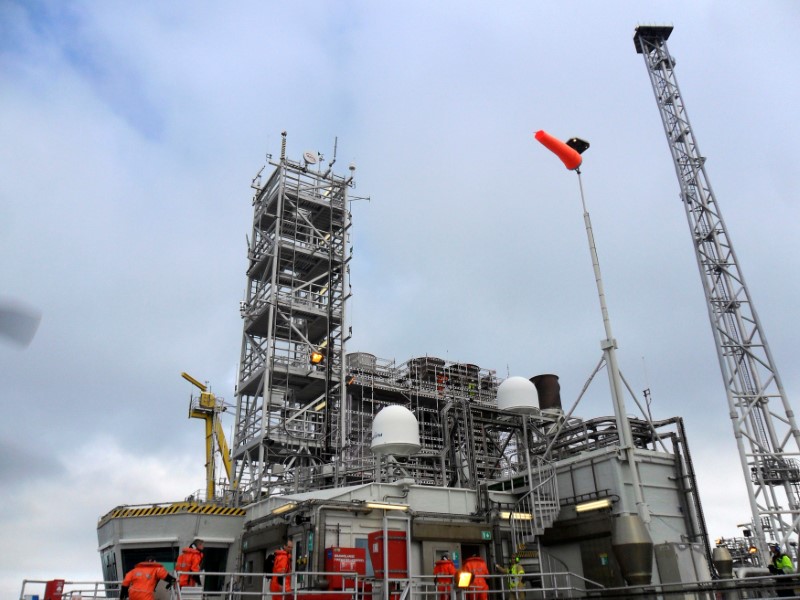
x: 170, y: 581
x: 123, y: 592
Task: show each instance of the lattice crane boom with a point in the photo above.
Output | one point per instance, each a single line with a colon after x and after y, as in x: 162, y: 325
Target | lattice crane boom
x: 764, y: 426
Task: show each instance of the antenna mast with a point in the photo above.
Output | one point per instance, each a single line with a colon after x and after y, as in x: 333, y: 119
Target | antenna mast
x: 763, y: 421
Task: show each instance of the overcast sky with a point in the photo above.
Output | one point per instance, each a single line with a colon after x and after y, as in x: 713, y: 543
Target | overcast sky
x: 130, y: 134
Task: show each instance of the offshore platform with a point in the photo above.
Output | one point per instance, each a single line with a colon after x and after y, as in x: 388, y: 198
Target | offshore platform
x: 346, y: 450
x: 377, y: 468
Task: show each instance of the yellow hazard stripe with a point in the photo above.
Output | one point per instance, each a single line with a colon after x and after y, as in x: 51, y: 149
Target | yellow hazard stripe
x: 172, y: 509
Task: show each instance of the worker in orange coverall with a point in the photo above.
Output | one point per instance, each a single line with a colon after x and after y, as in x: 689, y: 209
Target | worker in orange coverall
x: 281, y: 580
x: 189, y: 564
x: 479, y: 589
x: 141, y: 581
x: 444, y: 570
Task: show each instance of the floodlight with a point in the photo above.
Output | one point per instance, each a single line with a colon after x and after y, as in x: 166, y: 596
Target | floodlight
x: 386, y: 506
x: 463, y: 579
x: 594, y: 505
x: 580, y: 146
x: 284, y: 508
x: 518, y: 516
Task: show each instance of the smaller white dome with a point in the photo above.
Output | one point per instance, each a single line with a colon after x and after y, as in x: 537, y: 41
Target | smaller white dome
x: 395, y: 430
x: 518, y: 395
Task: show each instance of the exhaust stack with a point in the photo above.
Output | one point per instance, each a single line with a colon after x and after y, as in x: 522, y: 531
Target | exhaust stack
x: 549, y: 391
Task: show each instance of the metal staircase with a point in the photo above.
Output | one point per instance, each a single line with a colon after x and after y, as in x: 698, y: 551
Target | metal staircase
x: 538, y: 507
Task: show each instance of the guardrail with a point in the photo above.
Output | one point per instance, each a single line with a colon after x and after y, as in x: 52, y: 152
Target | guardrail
x: 536, y: 586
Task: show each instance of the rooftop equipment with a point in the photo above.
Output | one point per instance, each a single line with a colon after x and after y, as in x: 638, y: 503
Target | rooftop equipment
x: 395, y: 431
x: 518, y: 395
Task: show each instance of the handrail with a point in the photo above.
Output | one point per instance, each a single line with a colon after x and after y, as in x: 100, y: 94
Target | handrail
x: 538, y: 507
x: 424, y: 586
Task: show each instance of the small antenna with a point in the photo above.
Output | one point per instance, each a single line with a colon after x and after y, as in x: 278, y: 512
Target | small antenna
x: 646, y: 390
x: 256, y: 182
x: 333, y: 160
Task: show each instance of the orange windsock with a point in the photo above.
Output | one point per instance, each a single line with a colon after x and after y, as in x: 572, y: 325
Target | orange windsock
x: 571, y: 159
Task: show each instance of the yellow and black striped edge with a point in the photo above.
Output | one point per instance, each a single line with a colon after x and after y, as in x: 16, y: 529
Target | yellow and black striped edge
x: 125, y: 512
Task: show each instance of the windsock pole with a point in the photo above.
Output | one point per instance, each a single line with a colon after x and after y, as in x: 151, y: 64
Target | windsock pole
x: 570, y: 154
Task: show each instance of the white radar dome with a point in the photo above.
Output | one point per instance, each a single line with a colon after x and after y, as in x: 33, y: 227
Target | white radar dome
x: 395, y: 431
x: 518, y: 395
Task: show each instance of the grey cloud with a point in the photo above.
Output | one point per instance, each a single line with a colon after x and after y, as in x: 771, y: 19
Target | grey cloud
x: 472, y: 246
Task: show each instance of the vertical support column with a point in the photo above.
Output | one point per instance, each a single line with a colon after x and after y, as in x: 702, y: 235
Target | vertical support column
x: 609, y: 346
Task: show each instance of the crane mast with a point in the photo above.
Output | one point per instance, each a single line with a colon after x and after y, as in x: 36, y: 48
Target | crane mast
x: 763, y: 421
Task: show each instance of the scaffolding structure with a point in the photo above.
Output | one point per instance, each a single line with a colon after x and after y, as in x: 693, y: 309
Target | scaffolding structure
x: 290, y: 372
x: 444, y: 397
x: 304, y: 407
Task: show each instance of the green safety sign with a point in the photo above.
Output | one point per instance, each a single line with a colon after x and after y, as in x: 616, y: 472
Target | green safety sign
x: 486, y: 535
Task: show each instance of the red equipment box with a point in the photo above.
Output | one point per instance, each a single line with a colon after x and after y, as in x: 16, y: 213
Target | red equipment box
x: 398, y: 557
x: 53, y: 589
x: 344, y: 560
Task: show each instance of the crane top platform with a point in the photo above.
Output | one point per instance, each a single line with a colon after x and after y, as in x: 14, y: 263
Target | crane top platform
x: 650, y: 33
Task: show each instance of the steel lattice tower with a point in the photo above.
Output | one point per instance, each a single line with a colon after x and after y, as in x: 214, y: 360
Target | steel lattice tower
x: 763, y: 421
x: 289, y: 406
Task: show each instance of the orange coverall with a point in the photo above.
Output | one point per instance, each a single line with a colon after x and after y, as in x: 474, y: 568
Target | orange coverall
x: 142, y: 580
x: 444, y: 569
x: 189, y: 560
x: 282, y: 568
x: 479, y: 590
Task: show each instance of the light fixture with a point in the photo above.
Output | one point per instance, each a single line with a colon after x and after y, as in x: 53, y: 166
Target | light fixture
x: 580, y: 146
x: 463, y: 579
x: 593, y: 505
x: 386, y: 506
x: 518, y: 516
x: 321, y: 405
x: 316, y: 357
x: 284, y: 508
